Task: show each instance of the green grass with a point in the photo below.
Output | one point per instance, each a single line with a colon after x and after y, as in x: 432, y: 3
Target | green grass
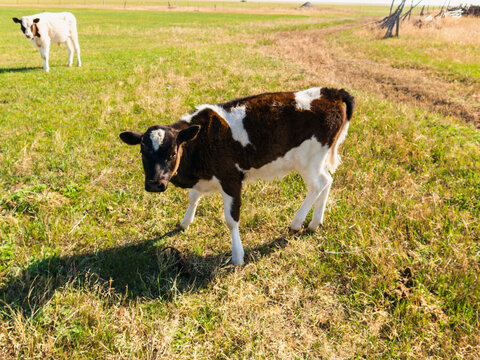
x: 86, y: 271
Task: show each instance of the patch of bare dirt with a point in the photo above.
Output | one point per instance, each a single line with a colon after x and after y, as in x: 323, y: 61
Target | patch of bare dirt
x: 335, y: 66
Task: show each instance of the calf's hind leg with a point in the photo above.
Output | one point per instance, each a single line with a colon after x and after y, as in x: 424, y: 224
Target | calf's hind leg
x: 313, y: 175
x: 76, y: 45
x: 321, y: 202
x: 69, y: 45
x: 315, y: 188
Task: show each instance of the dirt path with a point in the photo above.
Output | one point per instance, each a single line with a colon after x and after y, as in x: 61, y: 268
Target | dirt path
x: 335, y: 66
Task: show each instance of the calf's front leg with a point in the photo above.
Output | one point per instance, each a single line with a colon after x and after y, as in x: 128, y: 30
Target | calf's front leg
x: 231, y: 205
x: 44, y: 49
x: 193, y: 199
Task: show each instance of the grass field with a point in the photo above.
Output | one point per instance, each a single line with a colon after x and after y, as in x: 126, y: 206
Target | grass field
x: 91, y: 266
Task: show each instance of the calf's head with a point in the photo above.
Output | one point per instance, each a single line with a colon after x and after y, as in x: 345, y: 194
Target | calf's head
x: 161, y: 148
x: 28, y: 26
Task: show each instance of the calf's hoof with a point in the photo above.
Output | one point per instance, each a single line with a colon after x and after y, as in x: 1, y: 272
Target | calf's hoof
x: 296, y: 225
x: 237, y: 261
x: 293, y: 231
x: 184, y: 225
x: 313, y: 226
x: 237, y: 257
x: 179, y: 228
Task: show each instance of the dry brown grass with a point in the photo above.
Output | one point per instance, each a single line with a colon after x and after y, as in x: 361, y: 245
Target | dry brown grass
x: 462, y: 31
x: 339, y: 63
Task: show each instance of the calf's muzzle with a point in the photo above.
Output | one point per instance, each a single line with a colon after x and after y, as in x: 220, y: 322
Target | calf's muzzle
x: 156, y: 186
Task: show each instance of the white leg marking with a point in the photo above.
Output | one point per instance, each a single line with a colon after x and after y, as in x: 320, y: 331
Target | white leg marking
x: 193, y: 198
x: 69, y: 45
x: 321, y: 202
x: 237, y: 249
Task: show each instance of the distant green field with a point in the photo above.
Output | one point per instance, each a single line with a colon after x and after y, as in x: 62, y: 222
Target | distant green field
x: 85, y: 268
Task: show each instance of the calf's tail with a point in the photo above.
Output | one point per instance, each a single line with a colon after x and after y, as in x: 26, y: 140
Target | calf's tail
x: 333, y: 159
x: 349, y: 102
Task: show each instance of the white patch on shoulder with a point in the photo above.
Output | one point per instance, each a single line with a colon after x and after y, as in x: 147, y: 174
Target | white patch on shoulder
x: 157, y: 137
x: 305, y: 97
x: 234, y: 118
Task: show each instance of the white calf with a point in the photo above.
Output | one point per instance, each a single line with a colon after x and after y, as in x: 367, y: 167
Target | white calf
x: 45, y: 28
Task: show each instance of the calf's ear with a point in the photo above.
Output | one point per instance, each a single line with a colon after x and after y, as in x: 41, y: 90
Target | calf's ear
x: 131, y: 137
x: 188, y: 134
x: 36, y: 20
x: 15, y: 20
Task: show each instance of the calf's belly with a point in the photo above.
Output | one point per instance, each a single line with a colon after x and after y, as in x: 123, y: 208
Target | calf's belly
x: 59, y: 38
x: 309, y: 156
x: 59, y: 32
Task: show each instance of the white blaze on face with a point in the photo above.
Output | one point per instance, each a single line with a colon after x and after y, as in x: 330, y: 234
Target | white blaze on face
x: 304, y: 98
x: 157, y: 137
x: 27, y: 24
x: 234, y: 118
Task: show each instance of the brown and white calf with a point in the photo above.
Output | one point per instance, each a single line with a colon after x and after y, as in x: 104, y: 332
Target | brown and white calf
x: 219, y: 147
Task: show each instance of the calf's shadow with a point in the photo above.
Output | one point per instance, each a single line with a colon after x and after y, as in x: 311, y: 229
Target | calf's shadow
x: 142, y: 271
x: 19, y: 69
